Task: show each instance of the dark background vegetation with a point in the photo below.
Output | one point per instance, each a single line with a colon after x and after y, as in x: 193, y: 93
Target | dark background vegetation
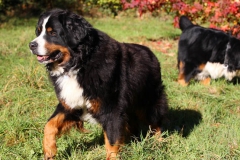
x: 29, y: 8
x: 35, y: 7
x: 219, y: 14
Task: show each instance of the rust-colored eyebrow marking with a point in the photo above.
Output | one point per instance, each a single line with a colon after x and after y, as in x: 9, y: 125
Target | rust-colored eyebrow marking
x: 49, y: 29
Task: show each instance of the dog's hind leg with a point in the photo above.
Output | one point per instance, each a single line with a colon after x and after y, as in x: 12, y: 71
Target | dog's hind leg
x: 203, y: 76
x: 181, y: 75
x: 112, y: 149
x: 157, y: 115
x: 114, y: 136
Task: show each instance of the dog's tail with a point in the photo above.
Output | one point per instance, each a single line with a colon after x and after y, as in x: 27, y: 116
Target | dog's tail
x: 184, y: 23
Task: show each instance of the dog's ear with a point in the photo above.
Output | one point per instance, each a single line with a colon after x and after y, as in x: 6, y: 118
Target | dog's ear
x: 75, y: 26
x: 229, y: 33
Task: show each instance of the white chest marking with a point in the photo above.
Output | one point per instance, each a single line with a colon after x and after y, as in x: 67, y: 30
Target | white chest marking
x: 215, y: 70
x: 72, y: 94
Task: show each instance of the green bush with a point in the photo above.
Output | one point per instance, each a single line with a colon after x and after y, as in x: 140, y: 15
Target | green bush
x: 110, y: 6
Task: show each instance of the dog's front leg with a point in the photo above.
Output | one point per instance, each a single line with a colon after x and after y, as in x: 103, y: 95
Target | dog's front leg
x: 51, y: 130
x: 61, y: 121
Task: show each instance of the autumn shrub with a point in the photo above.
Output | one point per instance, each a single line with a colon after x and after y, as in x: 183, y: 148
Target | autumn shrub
x: 222, y: 14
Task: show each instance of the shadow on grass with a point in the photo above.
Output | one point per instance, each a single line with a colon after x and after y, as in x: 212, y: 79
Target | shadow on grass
x: 85, y: 144
x: 180, y: 121
x: 183, y: 121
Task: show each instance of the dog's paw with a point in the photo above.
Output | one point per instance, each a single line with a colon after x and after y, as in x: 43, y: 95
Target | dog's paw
x: 49, y: 157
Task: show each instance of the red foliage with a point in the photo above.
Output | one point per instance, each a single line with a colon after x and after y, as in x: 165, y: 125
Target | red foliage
x: 222, y: 14
x: 143, y: 5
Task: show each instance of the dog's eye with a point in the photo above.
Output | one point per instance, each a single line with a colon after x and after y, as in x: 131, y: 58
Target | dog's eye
x: 52, y: 33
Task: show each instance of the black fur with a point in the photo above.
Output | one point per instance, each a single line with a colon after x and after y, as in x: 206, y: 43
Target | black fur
x: 199, y: 45
x: 232, y: 58
x: 124, y: 78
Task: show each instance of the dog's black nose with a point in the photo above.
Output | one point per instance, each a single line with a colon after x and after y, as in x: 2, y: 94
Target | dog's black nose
x: 33, y: 45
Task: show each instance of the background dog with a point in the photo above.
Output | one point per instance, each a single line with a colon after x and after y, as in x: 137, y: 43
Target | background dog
x: 97, y: 79
x: 205, y: 53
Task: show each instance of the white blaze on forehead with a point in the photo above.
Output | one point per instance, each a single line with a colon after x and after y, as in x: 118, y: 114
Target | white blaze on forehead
x: 41, y: 50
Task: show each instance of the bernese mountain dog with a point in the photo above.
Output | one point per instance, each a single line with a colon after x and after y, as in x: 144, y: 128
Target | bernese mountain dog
x: 205, y: 54
x: 97, y: 79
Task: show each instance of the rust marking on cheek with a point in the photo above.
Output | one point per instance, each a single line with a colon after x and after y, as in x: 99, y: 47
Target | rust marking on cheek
x: 65, y: 52
x: 54, y: 47
x: 66, y: 55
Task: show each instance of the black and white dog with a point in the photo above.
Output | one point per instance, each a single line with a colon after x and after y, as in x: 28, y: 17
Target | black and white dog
x: 97, y: 79
x: 206, y: 54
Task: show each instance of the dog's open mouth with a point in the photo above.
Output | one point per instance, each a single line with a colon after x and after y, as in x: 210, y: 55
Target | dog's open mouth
x: 55, y: 56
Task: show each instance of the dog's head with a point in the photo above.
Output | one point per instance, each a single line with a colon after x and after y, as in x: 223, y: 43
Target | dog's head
x: 58, y: 33
x: 232, y: 56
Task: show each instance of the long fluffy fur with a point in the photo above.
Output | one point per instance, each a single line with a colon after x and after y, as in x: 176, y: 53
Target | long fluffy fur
x: 117, y: 85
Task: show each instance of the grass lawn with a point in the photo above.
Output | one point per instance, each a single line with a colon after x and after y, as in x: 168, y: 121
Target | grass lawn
x: 204, y: 121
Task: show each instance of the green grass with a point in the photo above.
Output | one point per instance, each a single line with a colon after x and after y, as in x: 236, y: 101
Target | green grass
x: 204, y: 122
